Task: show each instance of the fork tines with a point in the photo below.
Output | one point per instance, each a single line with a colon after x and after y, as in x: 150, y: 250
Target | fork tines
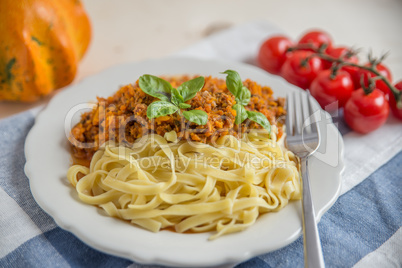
x: 300, y: 114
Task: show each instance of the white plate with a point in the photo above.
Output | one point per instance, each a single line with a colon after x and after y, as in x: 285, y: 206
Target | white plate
x: 47, y: 161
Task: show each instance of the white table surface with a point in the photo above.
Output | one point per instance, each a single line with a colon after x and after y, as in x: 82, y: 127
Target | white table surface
x: 132, y: 30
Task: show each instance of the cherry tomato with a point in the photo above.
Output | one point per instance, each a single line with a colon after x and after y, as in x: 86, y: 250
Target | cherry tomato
x: 397, y: 112
x: 365, y: 113
x: 341, y: 52
x: 272, y: 53
x: 383, y: 70
x: 327, y: 90
x: 296, y: 73
x: 316, y: 38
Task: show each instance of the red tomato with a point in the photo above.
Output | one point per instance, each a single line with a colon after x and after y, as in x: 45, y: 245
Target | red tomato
x: 379, y: 83
x: 272, y: 53
x: 328, y: 91
x: 365, y: 113
x: 341, y: 52
x: 301, y: 76
x: 397, y: 112
x: 316, y: 38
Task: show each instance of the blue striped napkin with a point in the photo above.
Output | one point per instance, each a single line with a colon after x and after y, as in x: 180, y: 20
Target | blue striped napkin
x: 362, y: 229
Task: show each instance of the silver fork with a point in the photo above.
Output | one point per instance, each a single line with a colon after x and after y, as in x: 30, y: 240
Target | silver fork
x: 303, y: 139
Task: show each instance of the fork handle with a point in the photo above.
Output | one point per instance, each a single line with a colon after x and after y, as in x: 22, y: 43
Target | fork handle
x: 312, y: 246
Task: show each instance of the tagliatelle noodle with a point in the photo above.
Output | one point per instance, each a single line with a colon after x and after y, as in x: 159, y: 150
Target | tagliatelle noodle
x: 162, y: 183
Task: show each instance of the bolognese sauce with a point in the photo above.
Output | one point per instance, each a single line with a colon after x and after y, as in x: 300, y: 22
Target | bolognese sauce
x: 123, y: 117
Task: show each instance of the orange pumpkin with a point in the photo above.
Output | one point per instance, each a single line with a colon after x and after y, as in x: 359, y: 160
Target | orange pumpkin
x: 41, y: 44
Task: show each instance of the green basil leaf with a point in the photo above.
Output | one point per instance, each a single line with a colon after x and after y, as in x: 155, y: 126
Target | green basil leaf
x: 233, y: 82
x: 155, y: 86
x: 196, y: 116
x: 176, y: 98
x: 244, y: 96
x: 184, y: 105
x: 241, y: 113
x: 260, y: 119
x: 190, y: 88
x: 160, y: 108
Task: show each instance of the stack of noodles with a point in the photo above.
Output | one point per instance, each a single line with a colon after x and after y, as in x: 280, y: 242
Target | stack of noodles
x: 161, y: 183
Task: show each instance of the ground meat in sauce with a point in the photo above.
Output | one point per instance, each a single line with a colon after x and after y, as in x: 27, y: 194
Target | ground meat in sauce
x: 123, y: 116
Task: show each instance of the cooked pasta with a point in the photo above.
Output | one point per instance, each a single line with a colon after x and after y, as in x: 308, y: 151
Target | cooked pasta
x: 162, y: 183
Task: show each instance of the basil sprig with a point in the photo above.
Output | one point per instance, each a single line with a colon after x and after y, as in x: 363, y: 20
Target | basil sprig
x: 242, y: 96
x: 173, y: 99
